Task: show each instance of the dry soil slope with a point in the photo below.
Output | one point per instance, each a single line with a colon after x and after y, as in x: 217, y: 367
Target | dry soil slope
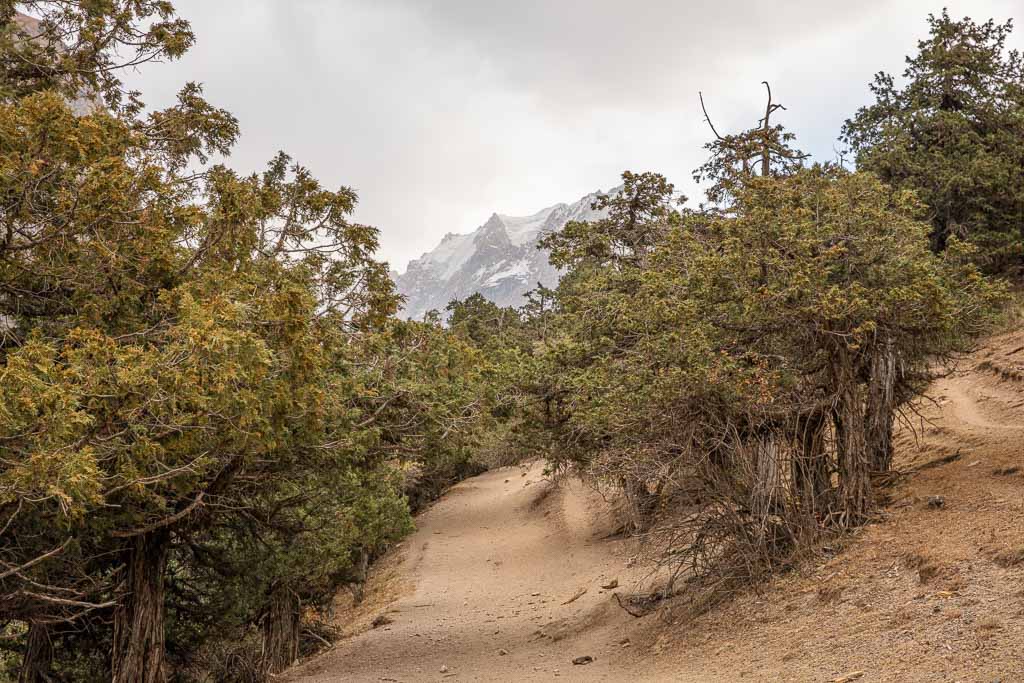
x: 924, y: 594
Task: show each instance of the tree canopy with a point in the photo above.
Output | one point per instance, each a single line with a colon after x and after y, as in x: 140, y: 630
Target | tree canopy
x: 952, y: 131
x: 206, y: 404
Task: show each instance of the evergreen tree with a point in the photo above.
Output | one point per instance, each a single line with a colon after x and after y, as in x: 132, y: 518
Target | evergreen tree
x: 205, y: 400
x: 952, y: 133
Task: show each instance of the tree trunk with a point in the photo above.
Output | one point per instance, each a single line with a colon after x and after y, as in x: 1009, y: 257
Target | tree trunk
x: 768, y: 503
x: 38, y: 658
x: 641, y: 503
x: 767, y: 485
x: 811, y: 477
x: 139, y: 621
x: 881, y: 406
x: 281, y: 630
x: 362, y: 574
x: 851, y: 453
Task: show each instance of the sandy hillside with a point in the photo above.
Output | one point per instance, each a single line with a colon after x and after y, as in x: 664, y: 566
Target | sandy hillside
x: 927, y: 593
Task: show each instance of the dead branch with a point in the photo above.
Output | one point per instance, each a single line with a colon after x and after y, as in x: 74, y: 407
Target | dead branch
x: 706, y: 117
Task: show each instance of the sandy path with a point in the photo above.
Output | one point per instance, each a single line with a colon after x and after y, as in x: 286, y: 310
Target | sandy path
x: 492, y: 564
x: 979, y: 402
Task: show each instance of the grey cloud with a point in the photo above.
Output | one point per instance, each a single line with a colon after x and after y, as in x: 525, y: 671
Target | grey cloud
x: 440, y: 112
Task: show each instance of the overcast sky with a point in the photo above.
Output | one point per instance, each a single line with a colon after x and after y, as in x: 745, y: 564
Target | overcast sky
x: 441, y: 112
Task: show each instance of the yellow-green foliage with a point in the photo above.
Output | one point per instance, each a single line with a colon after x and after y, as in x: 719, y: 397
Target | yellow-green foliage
x: 200, y: 375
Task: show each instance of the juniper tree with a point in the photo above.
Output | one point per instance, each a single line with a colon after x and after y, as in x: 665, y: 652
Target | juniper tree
x: 483, y: 321
x: 737, y: 367
x: 193, y: 366
x: 951, y: 130
x: 78, y: 48
x: 763, y: 150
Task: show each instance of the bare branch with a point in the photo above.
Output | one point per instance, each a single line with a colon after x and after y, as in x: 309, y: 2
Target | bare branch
x: 35, y: 561
x: 706, y: 117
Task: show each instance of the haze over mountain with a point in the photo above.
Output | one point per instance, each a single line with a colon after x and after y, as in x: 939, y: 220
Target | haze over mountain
x: 501, y: 260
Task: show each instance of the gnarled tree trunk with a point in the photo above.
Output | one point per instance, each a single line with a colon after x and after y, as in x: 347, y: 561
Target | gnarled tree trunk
x: 640, y: 502
x: 766, y: 487
x: 812, y: 479
x: 768, y: 500
x: 852, y: 455
x: 362, y: 572
x: 139, y: 621
x: 281, y: 626
x: 38, y: 657
x: 881, y: 406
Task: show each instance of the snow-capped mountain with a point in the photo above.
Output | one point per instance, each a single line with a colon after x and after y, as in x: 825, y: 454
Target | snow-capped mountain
x: 500, y: 260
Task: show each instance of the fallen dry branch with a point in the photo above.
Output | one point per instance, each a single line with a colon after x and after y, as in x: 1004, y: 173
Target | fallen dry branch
x: 579, y: 594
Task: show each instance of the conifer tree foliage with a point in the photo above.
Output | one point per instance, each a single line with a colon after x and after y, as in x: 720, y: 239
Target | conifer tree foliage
x: 205, y: 401
x: 951, y: 130
x: 78, y: 47
x: 483, y: 322
x: 211, y: 421
x: 736, y: 370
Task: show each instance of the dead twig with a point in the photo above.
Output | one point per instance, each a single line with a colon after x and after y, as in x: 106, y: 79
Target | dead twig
x: 579, y: 594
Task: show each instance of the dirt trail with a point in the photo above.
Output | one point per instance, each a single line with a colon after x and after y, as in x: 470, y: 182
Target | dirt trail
x: 491, y: 567
x: 924, y: 594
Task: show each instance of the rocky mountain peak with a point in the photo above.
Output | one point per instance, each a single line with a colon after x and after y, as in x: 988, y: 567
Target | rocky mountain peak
x: 500, y: 260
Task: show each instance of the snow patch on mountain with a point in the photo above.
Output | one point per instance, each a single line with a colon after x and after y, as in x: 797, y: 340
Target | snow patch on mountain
x: 451, y: 254
x: 520, y: 270
x: 522, y: 230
